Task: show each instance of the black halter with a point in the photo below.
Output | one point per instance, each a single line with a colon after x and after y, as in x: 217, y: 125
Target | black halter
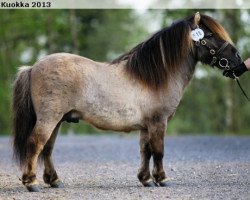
x: 223, y: 62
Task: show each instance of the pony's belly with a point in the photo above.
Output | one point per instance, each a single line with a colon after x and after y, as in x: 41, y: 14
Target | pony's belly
x: 114, y: 121
x: 116, y: 127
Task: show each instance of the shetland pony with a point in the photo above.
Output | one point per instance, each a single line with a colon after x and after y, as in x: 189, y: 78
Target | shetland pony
x: 140, y: 90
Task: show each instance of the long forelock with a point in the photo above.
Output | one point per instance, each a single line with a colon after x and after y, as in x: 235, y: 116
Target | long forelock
x: 216, y: 28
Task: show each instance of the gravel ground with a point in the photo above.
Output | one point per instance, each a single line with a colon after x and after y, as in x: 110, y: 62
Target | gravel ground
x: 105, y: 167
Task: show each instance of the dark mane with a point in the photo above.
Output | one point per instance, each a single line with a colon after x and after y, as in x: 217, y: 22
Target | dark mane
x: 155, y: 59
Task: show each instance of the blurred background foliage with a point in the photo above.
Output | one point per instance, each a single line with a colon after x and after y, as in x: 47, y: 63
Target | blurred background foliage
x: 211, y: 104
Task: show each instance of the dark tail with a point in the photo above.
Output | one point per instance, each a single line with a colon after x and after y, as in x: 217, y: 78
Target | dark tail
x: 24, y: 117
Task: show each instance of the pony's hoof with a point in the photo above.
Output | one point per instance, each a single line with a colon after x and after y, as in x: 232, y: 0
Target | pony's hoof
x: 165, y: 183
x: 150, y: 183
x: 33, y: 188
x: 57, y: 184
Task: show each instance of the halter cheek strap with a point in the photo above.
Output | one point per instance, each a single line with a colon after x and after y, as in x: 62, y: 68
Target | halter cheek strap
x: 223, y: 62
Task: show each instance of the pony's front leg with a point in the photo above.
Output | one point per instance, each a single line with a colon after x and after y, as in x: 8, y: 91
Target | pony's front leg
x: 144, y: 172
x: 156, y: 134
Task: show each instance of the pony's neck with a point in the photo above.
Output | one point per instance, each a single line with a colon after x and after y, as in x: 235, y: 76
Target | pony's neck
x: 186, y: 71
x: 177, y: 83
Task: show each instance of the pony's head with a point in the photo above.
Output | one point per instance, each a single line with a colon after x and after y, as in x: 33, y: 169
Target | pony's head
x: 212, y: 43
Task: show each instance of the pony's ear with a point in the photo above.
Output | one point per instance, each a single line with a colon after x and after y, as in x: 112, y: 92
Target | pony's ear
x: 197, y: 18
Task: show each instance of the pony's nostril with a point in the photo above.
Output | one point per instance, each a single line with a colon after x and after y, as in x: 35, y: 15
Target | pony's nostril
x: 238, y: 55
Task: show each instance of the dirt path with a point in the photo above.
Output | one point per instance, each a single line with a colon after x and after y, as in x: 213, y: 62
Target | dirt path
x: 105, y: 167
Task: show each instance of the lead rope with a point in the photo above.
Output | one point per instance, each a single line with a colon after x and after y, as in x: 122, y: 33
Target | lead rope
x: 238, y: 82
x: 234, y: 77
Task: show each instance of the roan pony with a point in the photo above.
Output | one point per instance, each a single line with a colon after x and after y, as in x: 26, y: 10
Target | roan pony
x: 140, y: 90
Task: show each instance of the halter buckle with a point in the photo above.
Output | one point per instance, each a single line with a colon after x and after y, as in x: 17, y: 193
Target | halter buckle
x: 212, y: 51
x: 213, y: 61
x: 203, y: 42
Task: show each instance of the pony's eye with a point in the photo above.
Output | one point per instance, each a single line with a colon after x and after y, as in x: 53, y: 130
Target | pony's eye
x: 209, y: 35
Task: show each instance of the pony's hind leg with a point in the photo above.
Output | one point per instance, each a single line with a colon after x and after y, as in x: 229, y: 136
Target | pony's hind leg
x: 144, y: 173
x: 38, y: 138
x: 50, y: 176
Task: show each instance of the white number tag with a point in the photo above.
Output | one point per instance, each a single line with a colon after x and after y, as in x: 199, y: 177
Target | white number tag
x: 197, y: 34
